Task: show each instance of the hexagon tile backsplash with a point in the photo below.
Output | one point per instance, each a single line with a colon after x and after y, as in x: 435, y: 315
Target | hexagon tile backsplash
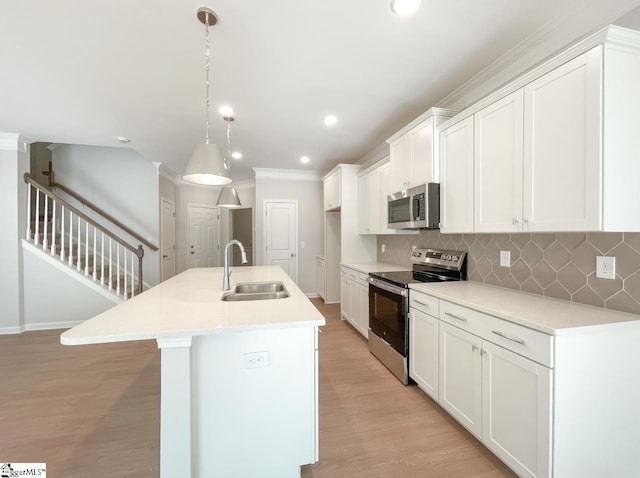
x: 559, y: 265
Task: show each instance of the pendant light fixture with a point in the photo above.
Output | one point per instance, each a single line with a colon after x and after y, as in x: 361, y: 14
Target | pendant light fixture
x: 207, y: 165
x: 228, y: 195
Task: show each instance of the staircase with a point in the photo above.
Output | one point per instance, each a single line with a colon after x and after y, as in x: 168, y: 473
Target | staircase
x: 78, y: 241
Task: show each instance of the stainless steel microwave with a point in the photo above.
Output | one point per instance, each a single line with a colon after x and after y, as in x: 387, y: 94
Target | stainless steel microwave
x: 415, y: 208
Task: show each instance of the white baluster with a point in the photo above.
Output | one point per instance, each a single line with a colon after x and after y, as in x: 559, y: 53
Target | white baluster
x: 37, y: 234
x: 133, y: 263
x: 102, y: 260
x: 124, y: 292
x: 110, y: 266
x: 46, y: 221
x: 86, y: 248
x: 117, y: 268
x: 62, y: 232
x: 79, y: 246
x: 28, y: 211
x: 53, y: 229
x: 95, y: 251
x: 70, y: 238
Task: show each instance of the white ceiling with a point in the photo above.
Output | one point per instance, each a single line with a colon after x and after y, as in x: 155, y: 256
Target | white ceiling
x: 75, y: 73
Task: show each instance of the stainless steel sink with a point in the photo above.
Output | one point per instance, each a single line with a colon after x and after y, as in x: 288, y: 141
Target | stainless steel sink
x: 256, y: 291
x: 257, y: 287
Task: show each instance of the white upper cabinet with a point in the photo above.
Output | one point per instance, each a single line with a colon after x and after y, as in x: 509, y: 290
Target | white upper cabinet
x: 369, y: 202
x: 332, y: 196
x: 555, y: 150
x: 400, y: 164
x: 414, y: 151
x: 456, y: 181
x: 562, y: 147
x: 498, y: 165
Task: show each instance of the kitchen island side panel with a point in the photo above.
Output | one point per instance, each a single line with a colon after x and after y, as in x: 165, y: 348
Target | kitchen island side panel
x: 596, y: 430
x: 255, y: 403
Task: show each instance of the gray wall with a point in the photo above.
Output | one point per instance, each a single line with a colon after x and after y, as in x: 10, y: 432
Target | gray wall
x: 558, y: 265
x: 310, y: 222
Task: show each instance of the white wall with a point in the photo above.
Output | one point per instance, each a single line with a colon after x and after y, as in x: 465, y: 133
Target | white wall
x: 48, y: 287
x: 308, y: 193
x: 121, y: 182
x: 14, y: 162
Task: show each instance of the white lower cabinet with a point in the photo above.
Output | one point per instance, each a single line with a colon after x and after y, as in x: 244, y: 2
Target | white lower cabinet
x: 423, y: 351
x: 354, y: 306
x: 480, y: 369
x: 461, y: 377
x: 516, y: 410
x: 320, y: 277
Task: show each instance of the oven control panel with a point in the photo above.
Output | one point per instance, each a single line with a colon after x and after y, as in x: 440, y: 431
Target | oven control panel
x: 448, y: 259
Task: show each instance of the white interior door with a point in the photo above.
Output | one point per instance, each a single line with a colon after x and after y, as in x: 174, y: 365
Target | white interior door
x: 281, y: 235
x: 204, y: 236
x: 168, y: 239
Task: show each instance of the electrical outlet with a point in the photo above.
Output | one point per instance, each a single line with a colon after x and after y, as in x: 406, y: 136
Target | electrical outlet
x: 505, y: 258
x: 605, y: 267
x: 413, y: 248
x: 383, y: 248
x: 256, y: 359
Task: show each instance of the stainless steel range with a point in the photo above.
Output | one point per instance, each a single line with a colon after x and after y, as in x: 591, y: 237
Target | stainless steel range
x: 389, y: 303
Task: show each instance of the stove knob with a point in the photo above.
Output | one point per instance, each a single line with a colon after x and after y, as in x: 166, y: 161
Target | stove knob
x: 454, y: 258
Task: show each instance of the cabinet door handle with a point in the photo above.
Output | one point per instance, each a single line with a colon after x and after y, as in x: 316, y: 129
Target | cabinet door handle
x: 513, y: 339
x: 421, y: 303
x: 474, y: 348
x: 514, y: 221
x: 462, y: 319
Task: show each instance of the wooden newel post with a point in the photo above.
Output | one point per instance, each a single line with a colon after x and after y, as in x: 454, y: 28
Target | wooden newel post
x: 140, y: 254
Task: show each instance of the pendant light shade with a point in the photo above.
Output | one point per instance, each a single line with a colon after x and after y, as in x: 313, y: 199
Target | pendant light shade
x: 229, y: 198
x: 207, y: 166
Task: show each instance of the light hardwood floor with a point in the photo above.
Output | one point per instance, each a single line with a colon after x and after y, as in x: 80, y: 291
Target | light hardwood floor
x: 93, y: 411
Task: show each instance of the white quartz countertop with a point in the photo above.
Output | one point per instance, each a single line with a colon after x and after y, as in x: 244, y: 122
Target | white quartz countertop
x: 368, y: 267
x: 189, y: 305
x: 551, y: 316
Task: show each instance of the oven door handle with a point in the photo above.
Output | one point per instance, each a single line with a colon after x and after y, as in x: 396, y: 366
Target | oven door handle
x: 388, y: 287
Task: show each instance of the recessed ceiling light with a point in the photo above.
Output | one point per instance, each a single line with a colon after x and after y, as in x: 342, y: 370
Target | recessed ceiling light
x: 304, y: 159
x: 123, y: 139
x: 226, y: 110
x: 405, y: 7
x: 236, y: 155
x: 330, y: 120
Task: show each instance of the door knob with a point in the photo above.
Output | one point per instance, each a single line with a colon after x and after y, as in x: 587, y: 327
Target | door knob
x: 293, y: 255
x: 192, y: 252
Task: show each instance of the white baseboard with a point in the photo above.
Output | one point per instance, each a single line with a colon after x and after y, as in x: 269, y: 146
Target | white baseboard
x: 312, y: 295
x: 12, y: 330
x: 52, y: 325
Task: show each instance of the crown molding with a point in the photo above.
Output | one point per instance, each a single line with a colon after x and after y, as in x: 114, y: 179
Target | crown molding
x: 441, y: 113
x: 463, y: 95
x: 166, y: 172
x: 14, y: 142
x: 287, y: 174
x: 375, y: 155
x: 610, y: 36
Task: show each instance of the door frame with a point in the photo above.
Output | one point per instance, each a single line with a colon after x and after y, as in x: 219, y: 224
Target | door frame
x: 264, y: 230
x: 164, y: 200
x: 189, y: 238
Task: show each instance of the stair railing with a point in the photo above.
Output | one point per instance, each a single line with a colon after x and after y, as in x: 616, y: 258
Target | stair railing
x: 110, y: 253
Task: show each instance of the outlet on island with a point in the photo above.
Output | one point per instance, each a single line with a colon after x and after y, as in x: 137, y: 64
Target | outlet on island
x: 256, y: 359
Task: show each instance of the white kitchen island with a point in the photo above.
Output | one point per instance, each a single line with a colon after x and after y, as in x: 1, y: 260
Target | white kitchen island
x: 239, y: 393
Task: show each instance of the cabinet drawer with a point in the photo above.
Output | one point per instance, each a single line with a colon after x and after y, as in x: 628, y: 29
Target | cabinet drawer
x: 423, y: 302
x: 344, y: 272
x: 351, y: 274
x: 363, y: 279
x: 521, y: 340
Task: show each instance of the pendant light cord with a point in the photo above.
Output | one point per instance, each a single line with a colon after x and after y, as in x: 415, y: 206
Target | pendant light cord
x: 206, y: 41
